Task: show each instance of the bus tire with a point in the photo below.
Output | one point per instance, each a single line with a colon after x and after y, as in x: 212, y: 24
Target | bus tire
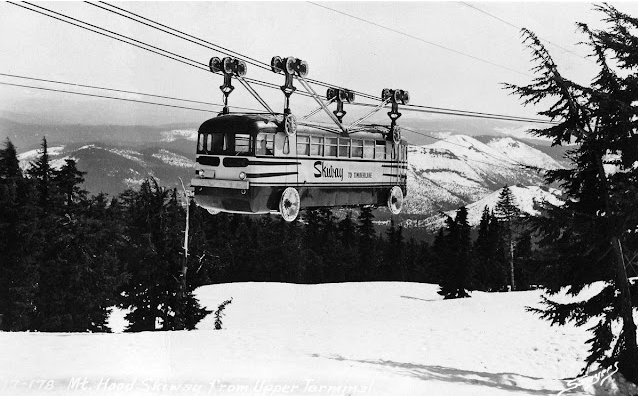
x: 290, y: 124
x: 395, y: 200
x: 213, y: 211
x: 289, y: 204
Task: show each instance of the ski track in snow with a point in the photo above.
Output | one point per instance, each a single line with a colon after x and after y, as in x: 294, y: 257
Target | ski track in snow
x: 377, y: 338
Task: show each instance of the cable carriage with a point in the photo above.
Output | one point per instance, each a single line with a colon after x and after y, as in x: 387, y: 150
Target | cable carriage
x: 272, y: 163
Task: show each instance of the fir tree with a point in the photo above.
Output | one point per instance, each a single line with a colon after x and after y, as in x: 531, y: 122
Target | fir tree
x: 367, y: 243
x: 20, y: 245
x: 9, y: 163
x: 507, y: 214
x: 347, y: 230
x: 154, y: 257
x: 488, y: 254
x: 68, y: 180
x: 42, y: 173
x: 455, y: 268
x: 589, y: 237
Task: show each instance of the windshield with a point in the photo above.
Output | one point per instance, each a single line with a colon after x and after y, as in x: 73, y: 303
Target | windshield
x: 225, y: 143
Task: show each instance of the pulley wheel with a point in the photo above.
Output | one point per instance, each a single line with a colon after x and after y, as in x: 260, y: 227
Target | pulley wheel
x: 215, y: 64
x: 396, y: 134
x: 275, y: 64
x: 290, y: 124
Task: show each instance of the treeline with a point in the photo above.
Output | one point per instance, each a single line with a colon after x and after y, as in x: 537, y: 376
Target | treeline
x: 502, y: 257
x: 67, y: 257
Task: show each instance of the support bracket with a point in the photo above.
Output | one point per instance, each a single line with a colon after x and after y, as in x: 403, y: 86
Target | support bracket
x: 229, y: 67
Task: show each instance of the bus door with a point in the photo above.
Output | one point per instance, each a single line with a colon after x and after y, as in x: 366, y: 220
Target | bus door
x: 285, y: 150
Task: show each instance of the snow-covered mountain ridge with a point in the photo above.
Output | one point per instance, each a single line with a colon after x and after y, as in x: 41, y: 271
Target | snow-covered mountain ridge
x: 112, y: 169
x: 461, y: 169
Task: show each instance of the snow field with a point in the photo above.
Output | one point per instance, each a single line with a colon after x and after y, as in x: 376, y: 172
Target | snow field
x: 385, y: 338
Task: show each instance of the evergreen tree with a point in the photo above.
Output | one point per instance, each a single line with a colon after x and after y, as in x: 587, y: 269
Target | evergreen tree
x: 348, y: 236
x: 68, y: 180
x: 9, y: 163
x: 508, y: 214
x: 80, y: 273
x: 394, y: 265
x: 41, y: 172
x: 20, y: 244
x: 490, y: 271
x: 367, y: 243
x: 440, y: 253
x: 526, y: 271
x: 154, y: 257
x: 456, y: 270
x: 590, y: 236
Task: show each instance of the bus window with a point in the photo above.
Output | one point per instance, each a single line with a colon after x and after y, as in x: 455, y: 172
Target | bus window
x: 286, y: 149
x: 303, y: 145
x: 265, y: 144
x: 368, y: 149
x: 316, y: 146
x: 242, y: 144
x: 357, y: 148
x: 201, y: 142
x: 331, y: 147
x: 379, y: 149
x: 344, y: 148
x: 217, y: 143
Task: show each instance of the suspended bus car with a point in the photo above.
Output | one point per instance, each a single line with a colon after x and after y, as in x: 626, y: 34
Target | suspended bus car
x: 269, y: 163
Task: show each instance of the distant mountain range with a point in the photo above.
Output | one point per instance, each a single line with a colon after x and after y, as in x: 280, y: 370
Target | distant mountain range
x: 461, y: 170
x: 450, y: 171
x: 112, y: 169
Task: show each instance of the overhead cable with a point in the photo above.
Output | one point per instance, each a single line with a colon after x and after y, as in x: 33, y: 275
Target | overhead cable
x: 420, y: 39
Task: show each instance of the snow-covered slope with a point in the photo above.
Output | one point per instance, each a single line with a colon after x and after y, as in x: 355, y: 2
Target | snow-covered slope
x: 523, y: 153
x: 524, y: 197
x: 460, y: 170
x: 381, y: 338
x: 56, y: 154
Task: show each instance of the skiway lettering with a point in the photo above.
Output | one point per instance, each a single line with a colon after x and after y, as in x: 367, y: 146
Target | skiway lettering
x: 322, y: 170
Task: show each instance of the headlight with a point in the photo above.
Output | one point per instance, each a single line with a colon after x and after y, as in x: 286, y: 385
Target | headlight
x: 200, y: 172
x: 242, y: 175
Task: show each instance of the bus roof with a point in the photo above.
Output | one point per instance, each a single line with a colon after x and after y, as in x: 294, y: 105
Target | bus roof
x: 267, y: 123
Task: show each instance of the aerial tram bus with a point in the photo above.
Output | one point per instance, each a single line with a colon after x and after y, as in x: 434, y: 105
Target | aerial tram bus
x: 270, y: 163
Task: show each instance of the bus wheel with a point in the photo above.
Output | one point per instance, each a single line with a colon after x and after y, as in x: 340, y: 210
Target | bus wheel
x: 290, y: 124
x: 289, y: 204
x: 395, y: 200
x: 213, y: 211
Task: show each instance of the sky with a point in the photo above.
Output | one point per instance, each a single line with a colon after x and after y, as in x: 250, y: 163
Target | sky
x: 339, y: 49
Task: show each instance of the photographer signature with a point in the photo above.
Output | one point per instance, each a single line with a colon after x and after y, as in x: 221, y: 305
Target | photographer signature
x: 599, y: 377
